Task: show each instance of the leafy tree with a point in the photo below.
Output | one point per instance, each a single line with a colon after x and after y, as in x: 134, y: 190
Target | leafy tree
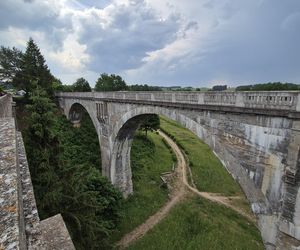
x: 91, y: 204
x: 144, y: 87
x: 151, y: 123
x: 110, y: 83
x: 219, y: 87
x: 10, y: 63
x: 81, y: 85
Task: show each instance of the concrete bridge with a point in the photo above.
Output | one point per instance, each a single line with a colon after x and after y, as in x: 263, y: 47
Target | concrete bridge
x: 256, y: 135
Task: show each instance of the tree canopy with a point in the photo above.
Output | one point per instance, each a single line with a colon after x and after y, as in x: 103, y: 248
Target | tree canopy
x: 143, y: 87
x: 219, y: 87
x: 269, y: 86
x: 25, y: 70
x: 110, y: 83
x: 81, y: 85
x: 151, y: 123
x: 10, y: 63
x: 34, y: 68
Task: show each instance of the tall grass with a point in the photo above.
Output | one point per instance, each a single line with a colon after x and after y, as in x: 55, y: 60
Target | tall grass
x: 149, y: 158
x: 199, y: 224
x: 208, y: 172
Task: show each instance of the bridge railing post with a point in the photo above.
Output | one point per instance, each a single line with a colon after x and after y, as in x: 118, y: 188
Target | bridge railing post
x: 298, y: 102
x: 201, y: 98
x: 239, y: 100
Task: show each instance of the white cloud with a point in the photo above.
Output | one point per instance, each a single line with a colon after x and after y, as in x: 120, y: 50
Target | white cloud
x: 72, y: 57
x: 160, y: 41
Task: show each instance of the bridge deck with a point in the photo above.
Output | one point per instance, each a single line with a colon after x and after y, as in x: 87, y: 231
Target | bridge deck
x: 273, y: 103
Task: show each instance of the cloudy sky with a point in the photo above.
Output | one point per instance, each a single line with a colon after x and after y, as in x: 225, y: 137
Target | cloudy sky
x: 160, y: 42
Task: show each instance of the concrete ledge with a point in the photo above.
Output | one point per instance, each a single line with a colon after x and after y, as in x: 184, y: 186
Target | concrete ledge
x: 6, y: 106
x: 20, y: 226
x: 55, y: 234
x: 11, y: 229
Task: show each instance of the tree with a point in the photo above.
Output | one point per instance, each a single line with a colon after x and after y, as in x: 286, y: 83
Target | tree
x: 42, y: 150
x: 110, y: 83
x: 144, y: 87
x: 34, y: 69
x: 219, y: 87
x: 81, y: 85
x: 269, y: 87
x: 10, y: 63
x: 151, y: 123
x: 65, y: 182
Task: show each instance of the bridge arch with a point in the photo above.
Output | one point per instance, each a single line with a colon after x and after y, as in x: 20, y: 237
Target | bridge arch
x: 73, y: 112
x: 123, y: 132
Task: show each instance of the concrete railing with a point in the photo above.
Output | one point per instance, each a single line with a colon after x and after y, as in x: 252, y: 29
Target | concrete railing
x: 279, y: 100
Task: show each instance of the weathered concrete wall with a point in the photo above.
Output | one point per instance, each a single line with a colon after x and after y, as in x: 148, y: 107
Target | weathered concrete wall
x: 6, y: 106
x: 256, y: 135
x: 12, y: 221
x: 20, y: 226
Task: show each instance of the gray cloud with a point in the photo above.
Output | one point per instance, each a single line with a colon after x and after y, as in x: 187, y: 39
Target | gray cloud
x: 163, y: 41
x: 133, y: 31
x: 36, y: 16
x: 260, y: 43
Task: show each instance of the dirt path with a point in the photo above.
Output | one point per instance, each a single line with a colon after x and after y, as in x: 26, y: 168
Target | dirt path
x: 224, y: 200
x: 179, y: 189
x: 178, y: 192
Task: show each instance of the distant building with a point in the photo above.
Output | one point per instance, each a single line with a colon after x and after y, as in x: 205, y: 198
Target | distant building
x: 21, y: 92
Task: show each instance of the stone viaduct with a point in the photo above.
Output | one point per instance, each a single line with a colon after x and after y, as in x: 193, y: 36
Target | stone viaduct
x: 256, y: 135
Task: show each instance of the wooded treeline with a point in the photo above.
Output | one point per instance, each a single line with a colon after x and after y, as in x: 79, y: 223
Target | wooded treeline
x: 269, y: 87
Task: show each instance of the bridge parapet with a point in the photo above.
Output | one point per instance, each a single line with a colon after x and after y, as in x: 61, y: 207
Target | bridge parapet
x: 5, y: 106
x: 21, y: 227
x: 279, y: 100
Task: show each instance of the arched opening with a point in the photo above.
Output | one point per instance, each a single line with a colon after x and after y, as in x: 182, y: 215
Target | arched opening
x: 128, y: 127
x: 120, y: 171
x: 76, y: 113
x: 87, y: 138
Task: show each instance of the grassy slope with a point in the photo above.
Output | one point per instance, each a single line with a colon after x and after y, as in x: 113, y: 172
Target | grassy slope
x: 200, y: 224
x: 149, y: 158
x: 208, y: 173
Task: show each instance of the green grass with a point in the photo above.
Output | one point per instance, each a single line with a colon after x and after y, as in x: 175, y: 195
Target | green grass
x: 199, y: 224
x: 149, y: 158
x: 209, y: 175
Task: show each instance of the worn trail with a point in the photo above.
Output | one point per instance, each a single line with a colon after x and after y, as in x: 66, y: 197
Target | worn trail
x: 179, y: 190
